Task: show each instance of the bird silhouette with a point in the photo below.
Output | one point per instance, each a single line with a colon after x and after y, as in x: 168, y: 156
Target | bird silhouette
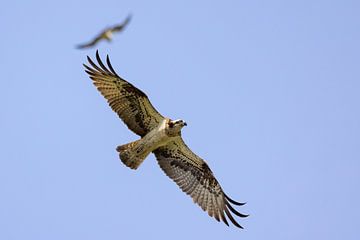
x: 106, y: 34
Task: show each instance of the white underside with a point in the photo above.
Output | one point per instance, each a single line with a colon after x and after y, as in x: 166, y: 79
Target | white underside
x: 151, y: 141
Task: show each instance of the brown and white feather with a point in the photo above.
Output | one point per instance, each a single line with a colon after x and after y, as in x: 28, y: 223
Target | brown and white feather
x: 130, y: 103
x: 194, y: 177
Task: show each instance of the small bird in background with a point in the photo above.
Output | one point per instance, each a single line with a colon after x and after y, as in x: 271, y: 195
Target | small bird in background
x: 106, y: 34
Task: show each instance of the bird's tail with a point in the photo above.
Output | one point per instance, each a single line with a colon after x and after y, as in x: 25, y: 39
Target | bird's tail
x: 132, y: 154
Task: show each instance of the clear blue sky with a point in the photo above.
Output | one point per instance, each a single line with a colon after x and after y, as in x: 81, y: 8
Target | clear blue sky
x: 270, y: 91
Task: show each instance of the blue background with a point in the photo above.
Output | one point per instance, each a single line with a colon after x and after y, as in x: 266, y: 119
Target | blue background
x: 269, y: 89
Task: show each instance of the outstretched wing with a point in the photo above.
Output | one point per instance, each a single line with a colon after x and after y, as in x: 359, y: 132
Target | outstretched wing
x: 130, y: 103
x: 91, y: 43
x: 121, y: 26
x: 195, y: 178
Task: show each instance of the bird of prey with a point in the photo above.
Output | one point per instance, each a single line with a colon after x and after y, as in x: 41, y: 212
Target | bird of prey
x: 106, y: 34
x: 161, y: 136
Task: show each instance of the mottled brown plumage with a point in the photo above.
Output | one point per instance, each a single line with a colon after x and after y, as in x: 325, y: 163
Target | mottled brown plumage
x: 194, y: 177
x: 130, y: 103
x: 162, y: 136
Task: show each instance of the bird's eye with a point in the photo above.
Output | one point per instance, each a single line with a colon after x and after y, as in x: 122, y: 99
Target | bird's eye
x: 171, y: 124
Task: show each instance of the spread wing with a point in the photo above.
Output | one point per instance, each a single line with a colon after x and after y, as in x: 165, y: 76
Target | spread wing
x: 195, y: 178
x: 130, y: 103
x: 91, y: 43
x: 121, y: 26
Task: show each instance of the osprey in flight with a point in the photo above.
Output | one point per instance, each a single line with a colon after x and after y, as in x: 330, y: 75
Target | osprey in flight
x: 161, y: 136
x: 106, y: 34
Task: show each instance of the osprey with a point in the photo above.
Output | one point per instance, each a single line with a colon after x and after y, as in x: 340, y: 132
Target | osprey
x: 161, y: 136
x: 106, y: 34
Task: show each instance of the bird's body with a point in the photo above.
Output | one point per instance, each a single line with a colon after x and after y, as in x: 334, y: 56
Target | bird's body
x: 107, y: 35
x: 161, y: 136
x: 134, y: 153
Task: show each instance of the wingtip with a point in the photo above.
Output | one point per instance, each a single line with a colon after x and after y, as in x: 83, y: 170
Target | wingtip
x: 233, y: 210
x: 223, y: 218
x: 233, y: 201
x: 98, y: 58
x: 128, y: 18
x: 232, y: 218
x: 110, y: 66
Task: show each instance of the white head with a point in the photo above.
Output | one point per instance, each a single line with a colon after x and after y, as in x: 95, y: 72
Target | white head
x: 173, y: 127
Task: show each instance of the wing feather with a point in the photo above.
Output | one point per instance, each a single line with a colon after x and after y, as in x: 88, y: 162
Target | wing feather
x: 91, y: 43
x: 222, y: 215
x: 216, y: 209
x: 204, y: 205
x: 194, y: 177
x: 121, y: 26
x: 130, y: 103
x: 201, y: 196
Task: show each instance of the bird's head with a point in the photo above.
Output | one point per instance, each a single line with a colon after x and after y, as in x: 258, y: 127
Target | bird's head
x: 173, y: 127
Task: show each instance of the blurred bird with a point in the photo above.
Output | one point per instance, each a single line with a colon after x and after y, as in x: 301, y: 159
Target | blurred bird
x: 106, y: 34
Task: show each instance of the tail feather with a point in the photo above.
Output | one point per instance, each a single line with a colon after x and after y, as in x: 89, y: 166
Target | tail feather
x: 130, y: 154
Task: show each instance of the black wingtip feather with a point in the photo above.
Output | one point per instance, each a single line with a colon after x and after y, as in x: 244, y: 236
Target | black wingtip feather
x: 94, y: 65
x: 89, y: 59
x: 232, y: 219
x: 235, y: 212
x: 223, y: 218
x: 234, y: 202
x: 100, y: 62
x: 90, y: 73
x: 87, y: 68
x: 97, y: 68
x: 110, y: 66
